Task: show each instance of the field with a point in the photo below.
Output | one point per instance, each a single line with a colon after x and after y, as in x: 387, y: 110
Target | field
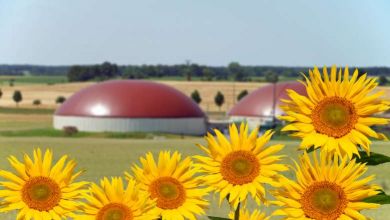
x: 102, y: 156
x: 110, y: 157
x: 107, y: 154
x: 48, y: 93
x: 30, y: 79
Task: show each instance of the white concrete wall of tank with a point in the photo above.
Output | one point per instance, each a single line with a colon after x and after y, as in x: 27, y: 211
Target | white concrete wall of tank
x: 191, y: 126
x: 253, y: 122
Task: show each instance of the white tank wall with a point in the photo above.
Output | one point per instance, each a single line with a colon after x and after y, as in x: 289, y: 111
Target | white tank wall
x: 253, y: 122
x: 193, y: 126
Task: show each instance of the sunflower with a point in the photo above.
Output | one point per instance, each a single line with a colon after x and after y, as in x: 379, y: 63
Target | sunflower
x: 246, y: 215
x: 171, y: 182
x: 337, y: 112
x: 40, y: 191
x: 241, y: 166
x: 111, y: 201
x: 326, y: 189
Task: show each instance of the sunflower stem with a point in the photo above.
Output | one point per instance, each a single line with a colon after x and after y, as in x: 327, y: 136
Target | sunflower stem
x: 237, y: 212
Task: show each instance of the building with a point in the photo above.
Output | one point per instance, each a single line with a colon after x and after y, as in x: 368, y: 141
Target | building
x: 131, y: 106
x: 260, y: 106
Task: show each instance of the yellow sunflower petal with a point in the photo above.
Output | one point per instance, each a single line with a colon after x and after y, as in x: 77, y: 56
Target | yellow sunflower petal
x: 325, y: 189
x: 37, y: 191
x: 173, y: 184
x: 334, y: 108
x: 244, y: 169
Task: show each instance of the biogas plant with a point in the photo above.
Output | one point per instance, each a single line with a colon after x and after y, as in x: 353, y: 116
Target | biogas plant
x: 131, y: 106
x: 146, y: 106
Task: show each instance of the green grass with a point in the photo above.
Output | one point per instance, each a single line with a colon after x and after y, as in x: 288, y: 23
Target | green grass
x: 111, y: 157
x: 51, y: 132
x: 33, y: 79
x: 16, y: 110
x: 109, y: 154
x: 6, y: 126
x: 25, y: 129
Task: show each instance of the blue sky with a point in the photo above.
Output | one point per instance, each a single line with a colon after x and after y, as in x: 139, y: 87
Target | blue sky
x: 212, y: 32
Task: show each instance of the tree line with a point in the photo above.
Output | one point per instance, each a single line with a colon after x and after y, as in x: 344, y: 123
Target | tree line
x: 233, y: 71
x: 100, y: 72
x: 19, y: 70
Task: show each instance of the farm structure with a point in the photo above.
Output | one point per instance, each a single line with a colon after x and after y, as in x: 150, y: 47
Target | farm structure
x: 131, y: 106
x: 262, y: 106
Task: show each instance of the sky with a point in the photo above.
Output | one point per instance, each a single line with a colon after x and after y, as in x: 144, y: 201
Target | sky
x: 209, y: 32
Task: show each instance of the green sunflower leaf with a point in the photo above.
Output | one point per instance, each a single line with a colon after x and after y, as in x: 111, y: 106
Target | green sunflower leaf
x: 373, y: 159
x: 311, y: 149
x: 218, y: 218
x: 381, y: 198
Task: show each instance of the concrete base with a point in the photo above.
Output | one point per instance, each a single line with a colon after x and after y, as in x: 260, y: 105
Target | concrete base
x: 190, y: 126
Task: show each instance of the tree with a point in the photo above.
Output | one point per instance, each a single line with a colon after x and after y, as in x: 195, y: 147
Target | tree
x: 196, y: 96
x: 219, y: 99
x: 383, y: 80
x: 79, y: 73
x: 11, y: 82
x: 196, y: 70
x: 271, y: 77
x: 37, y: 102
x: 132, y: 72
x: 208, y: 74
x: 60, y: 99
x: 361, y: 72
x: 107, y: 70
x: 17, y: 97
x: 94, y: 72
x: 188, y: 71
x: 242, y: 94
x: 236, y: 71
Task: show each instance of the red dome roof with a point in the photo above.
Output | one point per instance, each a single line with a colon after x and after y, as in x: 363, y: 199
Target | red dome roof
x: 259, y: 103
x: 130, y: 99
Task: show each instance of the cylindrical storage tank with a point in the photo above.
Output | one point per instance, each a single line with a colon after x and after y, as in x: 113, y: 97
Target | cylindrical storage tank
x: 257, y: 108
x: 131, y: 106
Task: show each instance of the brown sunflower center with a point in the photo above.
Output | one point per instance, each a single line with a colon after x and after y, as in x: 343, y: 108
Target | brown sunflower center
x: 324, y: 200
x: 41, y: 193
x: 334, y: 116
x: 240, y: 167
x: 168, y: 191
x: 114, y: 211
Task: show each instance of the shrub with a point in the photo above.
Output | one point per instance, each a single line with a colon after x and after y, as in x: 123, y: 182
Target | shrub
x: 383, y: 80
x: 196, y: 96
x: 17, y: 97
x: 219, y: 99
x: 60, y: 99
x: 242, y: 94
x: 70, y: 130
x: 37, y: 102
